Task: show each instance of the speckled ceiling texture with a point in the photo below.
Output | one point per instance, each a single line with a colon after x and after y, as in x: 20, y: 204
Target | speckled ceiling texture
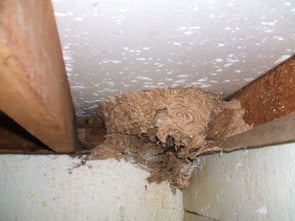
x: 114, y: 46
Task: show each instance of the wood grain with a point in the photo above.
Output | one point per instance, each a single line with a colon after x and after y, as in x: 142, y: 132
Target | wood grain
x: 271, y: 96
x: 34, y: 88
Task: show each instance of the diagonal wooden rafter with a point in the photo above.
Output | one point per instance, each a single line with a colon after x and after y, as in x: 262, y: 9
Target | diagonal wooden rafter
x: 271, y: 96
x: 34, y: 88
x: 269, y: 106
x: 274, y: 132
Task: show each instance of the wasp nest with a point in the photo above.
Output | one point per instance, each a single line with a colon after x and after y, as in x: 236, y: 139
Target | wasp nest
x: 164, y: 130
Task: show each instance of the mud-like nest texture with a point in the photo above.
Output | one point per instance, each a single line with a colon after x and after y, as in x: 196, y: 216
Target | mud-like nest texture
x: 165, y: 130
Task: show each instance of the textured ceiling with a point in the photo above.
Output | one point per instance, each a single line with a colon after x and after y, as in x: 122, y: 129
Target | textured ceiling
x: 114, y: 46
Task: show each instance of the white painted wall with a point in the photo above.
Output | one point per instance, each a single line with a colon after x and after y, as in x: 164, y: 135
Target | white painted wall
x: 42, y: 188
x: 256, y: 184
x: 115, y: 46
x: 244, y: 185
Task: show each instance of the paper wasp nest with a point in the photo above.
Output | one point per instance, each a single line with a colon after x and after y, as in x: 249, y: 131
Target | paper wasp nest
x: 163, y: 129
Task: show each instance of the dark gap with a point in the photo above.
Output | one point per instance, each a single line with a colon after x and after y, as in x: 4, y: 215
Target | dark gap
x: 15, y: 137
x: 200, y: 215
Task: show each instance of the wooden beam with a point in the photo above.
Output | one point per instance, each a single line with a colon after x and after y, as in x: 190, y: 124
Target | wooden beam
x: 15, y: 139
x: 270, y: 96
x: 269, y: 105
x: 275, y: 132
x: 91, y: 133
x: 34, y: 88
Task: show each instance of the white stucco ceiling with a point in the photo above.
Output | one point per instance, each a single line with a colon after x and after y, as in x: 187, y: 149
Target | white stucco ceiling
x: 114, y: 46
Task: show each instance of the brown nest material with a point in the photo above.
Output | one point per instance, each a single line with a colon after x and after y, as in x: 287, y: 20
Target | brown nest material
x: 165, y: 129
